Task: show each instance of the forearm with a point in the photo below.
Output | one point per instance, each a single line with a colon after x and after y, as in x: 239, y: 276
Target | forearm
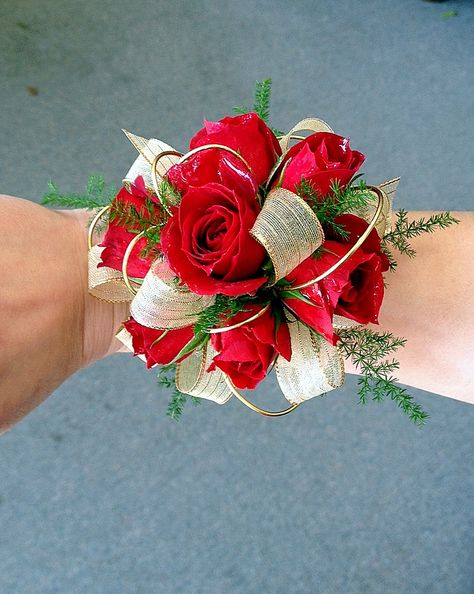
x: 429, y: 302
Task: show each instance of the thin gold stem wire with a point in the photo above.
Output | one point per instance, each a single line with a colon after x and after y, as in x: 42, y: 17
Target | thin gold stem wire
x: 126, y: 256
x: 353, y: 249
x: 154, y: 174
x: 242, y: 323
x: 222, y: 147
x: 93, y: 224
x: 254, y: 407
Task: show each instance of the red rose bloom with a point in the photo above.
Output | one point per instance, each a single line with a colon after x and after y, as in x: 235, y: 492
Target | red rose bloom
x: 208, y: 245
x: 246, y: 353
x: 118, y: 234
x: 321, y: 158
x: 212, y: 165
x: 145, y: 342
x: 355, y: 290
x: 249, y: 135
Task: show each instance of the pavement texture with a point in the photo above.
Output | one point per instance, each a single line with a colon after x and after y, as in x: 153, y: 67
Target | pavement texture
x: 100, y: 493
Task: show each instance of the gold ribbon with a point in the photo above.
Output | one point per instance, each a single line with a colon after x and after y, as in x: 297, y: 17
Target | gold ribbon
x: 192, y: 377
x: 106, y: 283
x: 384, y: 221
x: 148, y: 150
x: 288, y: 229
x: 164, y: 305
x: 309, y: 124
x: 316, y: 366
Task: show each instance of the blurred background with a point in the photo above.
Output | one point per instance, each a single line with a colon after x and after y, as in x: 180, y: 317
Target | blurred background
x: 101, y: 493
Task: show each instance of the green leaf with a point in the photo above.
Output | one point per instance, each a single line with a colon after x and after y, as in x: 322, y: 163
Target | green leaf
x: 96, y: 195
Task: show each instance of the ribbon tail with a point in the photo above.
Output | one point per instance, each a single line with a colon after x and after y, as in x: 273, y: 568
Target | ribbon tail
x: 105, y: 283
x: 310, y: 124
x: 316, y: 366
x: 192, y: 377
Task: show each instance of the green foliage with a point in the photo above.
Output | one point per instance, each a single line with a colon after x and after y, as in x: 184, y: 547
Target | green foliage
x: 220, y: 312
x: 403, y: 230
x: 166, y: 378
x: 353, y: 198
x: 263, y: 92
x: 96, y: 195
x: 169, y: 195
x: 369, y: 352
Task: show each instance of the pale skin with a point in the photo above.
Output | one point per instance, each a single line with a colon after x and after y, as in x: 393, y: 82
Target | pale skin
x: 51, y: 327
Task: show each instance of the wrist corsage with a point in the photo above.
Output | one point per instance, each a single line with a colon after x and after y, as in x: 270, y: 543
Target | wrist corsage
x: 254, y: 251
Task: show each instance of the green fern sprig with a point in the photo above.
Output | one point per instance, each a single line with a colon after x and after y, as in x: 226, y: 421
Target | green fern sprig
x: 167, y: 378
x: 352, y: 198
x: 96, y: 195
x: 403, y: 230
x: 369, y: 352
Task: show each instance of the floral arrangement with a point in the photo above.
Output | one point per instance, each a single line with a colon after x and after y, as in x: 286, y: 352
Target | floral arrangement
x: 255, y: 250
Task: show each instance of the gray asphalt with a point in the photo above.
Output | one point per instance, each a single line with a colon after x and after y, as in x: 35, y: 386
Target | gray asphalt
x: 100, y: 493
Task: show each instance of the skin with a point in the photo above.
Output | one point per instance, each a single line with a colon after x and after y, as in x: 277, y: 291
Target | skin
x: 52, y: 327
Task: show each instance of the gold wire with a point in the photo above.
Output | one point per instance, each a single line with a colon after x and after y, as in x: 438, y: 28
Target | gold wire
x: 254, y: 407
x: 93, y: 224
x: 126, y: 256
x: 154, y: 174
x: 205, y: 147
x: 353, y: 249
x: 234, y: 326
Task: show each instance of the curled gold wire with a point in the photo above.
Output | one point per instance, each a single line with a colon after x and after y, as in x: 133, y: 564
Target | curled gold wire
x: 242, y: 323
x: 353, y: 249
x: 154, y: 173
x: 222, y: 147
x: 93, y: 224
x: 254, y: 407
x: 126, y: 256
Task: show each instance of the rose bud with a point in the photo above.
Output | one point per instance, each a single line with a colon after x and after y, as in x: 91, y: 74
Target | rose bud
x: 147, y: 341
x: 322, y: 159
x: 119, y: 235
x: 208, y: 245
x: 249, y: 135
x: 245, y: 353
x: 212, y: 165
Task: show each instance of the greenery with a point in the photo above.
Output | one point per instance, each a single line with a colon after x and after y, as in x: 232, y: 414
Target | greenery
x: 96, y: 195
x: 369, y: 351
x: 261, y: 106
x: 166, y: 378
x: 353, y: 198
x: 403, y: 230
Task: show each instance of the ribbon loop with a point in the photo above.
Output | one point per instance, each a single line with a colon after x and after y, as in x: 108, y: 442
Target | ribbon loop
x: 316, y: 366
x: 192, y: 377
x: 105, y: 283
x: 161, y: 304
x: 311, y: 124
x: 288, y: 229
x: 148, y: 150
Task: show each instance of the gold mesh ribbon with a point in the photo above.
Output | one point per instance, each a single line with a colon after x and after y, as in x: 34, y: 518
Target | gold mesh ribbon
x: 148, y: 150
x: 288, y: 229
x: 106, y: 283
x: 316, y: 366
x: 310, y: 124
x: 162, y: 304
x: 193, y: 379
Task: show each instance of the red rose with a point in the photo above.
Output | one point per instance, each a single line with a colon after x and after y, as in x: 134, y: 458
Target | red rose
x: 249, y: 135
x: 212, y: 165
x: 246, y: 353
x: 208, y: 244
x: 321, y: 158
x: 145, y: 342
x: 355, y: 290
x: 119, y: 235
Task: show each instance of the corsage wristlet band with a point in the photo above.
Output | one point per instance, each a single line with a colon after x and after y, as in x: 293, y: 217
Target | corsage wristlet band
x: 255, y: 250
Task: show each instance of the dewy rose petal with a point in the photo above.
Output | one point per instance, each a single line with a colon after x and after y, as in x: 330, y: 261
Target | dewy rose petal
x: 208, y: 245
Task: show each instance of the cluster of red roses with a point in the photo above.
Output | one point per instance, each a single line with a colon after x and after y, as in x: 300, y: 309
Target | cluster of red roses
x: 207, y: 244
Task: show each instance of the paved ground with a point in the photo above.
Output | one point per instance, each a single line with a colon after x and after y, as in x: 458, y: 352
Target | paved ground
x: 99, y: 492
